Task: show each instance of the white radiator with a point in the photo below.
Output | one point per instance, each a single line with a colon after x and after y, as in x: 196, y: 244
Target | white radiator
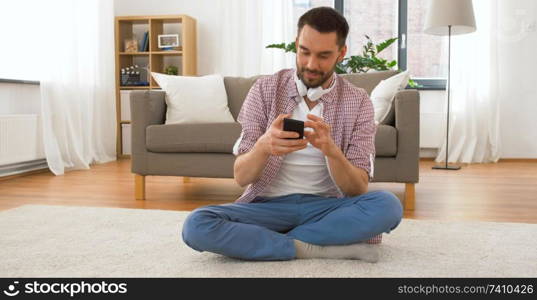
x: 21, y: 138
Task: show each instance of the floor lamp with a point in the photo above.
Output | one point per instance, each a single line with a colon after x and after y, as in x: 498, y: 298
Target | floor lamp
x: 449, y: 17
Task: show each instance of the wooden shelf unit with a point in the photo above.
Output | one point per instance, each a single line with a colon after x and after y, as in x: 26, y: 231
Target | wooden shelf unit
x: 156, y: 60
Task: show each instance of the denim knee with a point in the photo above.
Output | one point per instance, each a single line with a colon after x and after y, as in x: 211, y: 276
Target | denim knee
x: 391, y: 208
x: 194, y: 228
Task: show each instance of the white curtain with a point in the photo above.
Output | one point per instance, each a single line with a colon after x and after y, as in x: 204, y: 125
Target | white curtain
x: 247, y: 27
x: 77, y: 85
x: 474, y: 135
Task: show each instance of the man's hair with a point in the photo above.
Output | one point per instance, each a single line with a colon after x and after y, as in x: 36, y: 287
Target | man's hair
x: 325, y: 20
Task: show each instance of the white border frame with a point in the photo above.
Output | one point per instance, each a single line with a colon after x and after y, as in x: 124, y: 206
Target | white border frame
x: 176, y: 44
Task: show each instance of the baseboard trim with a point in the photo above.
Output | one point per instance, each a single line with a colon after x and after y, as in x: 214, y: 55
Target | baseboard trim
x: 426, y: 158
x: 22, y: 169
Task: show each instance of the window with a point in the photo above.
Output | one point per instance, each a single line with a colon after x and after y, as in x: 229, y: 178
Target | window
x: 427, y: 54
x: 361, y: 21
x: 302, y: 6
x: 375, y: 18
x: 21, y: 40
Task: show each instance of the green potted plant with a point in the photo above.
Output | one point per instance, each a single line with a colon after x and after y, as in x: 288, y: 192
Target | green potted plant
x: 171, y: 70
x: 359, y: 63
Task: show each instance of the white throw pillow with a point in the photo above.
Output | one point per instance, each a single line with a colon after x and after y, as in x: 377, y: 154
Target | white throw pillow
x: 383, y: 94
x: 194, y: 99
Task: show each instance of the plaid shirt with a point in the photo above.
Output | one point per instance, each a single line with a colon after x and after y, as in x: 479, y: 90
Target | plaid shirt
x: 347, y: 109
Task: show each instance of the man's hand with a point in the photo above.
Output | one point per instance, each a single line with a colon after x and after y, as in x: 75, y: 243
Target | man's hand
x: 320, y: 137
x: 350, y: 179
x: 274, y: 141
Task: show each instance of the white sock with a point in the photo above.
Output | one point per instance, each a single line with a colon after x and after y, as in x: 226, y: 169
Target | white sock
x: 362, y: 251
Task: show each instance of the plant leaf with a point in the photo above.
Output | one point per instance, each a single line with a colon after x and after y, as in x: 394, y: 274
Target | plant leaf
x: 278, y: 46
x: 385, y: 44
x: 287, y: 47
x: 291, y: 47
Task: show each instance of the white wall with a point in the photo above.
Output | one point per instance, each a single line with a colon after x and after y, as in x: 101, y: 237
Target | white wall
x: 518, y: 108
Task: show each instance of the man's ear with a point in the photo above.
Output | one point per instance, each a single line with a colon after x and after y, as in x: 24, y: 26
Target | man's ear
x: 342, y: 53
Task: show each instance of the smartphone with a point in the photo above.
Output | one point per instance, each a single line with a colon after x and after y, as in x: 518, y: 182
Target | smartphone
x: 294, y: 125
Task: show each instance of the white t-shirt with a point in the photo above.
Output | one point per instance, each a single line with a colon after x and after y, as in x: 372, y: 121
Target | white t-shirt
x: 305, y: 171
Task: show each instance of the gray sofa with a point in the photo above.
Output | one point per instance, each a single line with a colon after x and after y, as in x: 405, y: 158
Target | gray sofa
x: 205, y: 150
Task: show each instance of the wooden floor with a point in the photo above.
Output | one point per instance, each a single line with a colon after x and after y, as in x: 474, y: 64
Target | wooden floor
x: 502, y: 192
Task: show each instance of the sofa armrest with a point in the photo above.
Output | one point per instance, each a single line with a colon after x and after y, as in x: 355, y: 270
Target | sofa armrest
x: 407, y: 123
x: 147, y: 108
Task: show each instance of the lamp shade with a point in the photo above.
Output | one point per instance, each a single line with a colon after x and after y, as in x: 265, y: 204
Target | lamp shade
x: 442, y: 13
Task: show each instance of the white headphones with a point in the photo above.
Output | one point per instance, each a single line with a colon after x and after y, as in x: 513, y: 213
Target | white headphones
x: 313, y: 94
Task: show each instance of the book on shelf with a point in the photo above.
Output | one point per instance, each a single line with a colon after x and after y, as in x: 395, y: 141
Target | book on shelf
x: 145, y: 42
x: 142, y: 41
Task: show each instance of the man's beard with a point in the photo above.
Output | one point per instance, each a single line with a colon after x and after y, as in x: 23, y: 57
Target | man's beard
x: 315, y: 82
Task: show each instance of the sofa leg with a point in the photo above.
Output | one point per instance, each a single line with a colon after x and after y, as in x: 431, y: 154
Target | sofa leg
x: 139, y: 186
x: 186, y: 179
x: 410, y: 196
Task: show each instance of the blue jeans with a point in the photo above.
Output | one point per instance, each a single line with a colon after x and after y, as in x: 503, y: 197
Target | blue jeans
x: 265, y: 228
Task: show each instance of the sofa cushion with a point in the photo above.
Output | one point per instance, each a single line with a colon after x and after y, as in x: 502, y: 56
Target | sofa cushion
x: 389, y: 119
x: 368, y: 81
x: 211, y: 137
x: 383, y: 95
x: 194, y: 100
x: 237, y: 88
x: 220, y: 138
x: 386, y: 141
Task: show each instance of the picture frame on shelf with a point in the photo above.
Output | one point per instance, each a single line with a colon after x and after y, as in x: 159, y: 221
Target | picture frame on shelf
x: 168, y: 41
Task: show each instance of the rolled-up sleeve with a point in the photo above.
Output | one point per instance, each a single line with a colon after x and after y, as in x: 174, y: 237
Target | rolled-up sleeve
x: 253, y: 119
x: 361, y: 150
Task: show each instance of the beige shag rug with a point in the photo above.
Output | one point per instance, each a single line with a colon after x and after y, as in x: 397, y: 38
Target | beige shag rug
x: 68, y: 241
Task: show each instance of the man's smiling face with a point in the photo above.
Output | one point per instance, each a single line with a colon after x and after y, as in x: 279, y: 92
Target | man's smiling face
x: 317, y: 56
